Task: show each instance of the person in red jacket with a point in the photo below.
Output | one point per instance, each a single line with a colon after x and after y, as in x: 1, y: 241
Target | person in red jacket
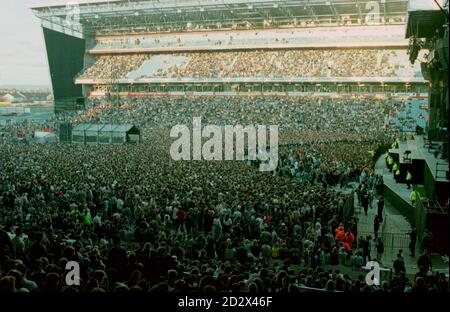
x: 349, y: 239
x: 340, y: 233
x: 346, y: 245
x: 181, y: 216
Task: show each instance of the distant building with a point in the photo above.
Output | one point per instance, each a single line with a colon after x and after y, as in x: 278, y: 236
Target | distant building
x: 13, y: 97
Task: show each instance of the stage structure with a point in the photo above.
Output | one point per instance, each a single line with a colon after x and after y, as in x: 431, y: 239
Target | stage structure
x: 105, y: 134
x: 425, y: 157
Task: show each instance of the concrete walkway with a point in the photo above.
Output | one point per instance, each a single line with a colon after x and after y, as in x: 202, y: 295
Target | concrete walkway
x: 394, y: 232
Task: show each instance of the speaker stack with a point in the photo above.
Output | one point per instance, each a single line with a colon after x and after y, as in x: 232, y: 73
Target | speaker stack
x: 65, y: 132
x: 442, y: 50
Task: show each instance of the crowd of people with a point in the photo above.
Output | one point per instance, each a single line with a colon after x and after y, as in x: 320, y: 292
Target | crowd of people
x: 113, y: 66
x: 330, y: 163
x: 315, y: 125
x: 137, y: 221
x: 309, y: 114
x: 263, y: 64
x: 288, y: 64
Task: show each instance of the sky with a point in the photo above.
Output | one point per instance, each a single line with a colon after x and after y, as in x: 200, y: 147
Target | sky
x: 23, y: 59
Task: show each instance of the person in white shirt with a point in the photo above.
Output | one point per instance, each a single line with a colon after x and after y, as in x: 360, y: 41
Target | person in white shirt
x: 119, y: 204
x: 217, y: 228
x: 98, y: 219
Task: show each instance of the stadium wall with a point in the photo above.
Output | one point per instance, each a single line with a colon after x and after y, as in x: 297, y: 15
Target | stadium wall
x: 429, y: 182
x: 402, y: 205
x: 65, y: 58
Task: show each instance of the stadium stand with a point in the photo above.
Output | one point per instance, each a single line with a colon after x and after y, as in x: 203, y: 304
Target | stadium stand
x: 248, y: 64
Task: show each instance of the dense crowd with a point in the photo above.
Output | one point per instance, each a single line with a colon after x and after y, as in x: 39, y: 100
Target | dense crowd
x: 315, y: 125
x: 339, y: 115
x: 113, y: 66
x: 288, y: 64
x: 262, y: 64
x: 137, y: 221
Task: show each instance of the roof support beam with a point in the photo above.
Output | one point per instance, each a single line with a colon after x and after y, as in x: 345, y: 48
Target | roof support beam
x: 334, y: 11
x: 311, y: 12
x: 359, y: 11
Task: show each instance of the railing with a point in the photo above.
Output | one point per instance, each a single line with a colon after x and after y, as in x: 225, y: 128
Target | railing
x: 433, y: 206
x: 395, y: 240
x: 353, y: 80
x: 14, y: 110
x: 392, y: 242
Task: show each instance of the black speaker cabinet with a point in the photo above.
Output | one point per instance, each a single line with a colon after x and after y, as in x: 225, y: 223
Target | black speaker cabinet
x: 65, y: 132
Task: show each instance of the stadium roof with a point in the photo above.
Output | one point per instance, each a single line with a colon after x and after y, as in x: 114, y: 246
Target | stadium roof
x: 424, y: 5
x: 97, y: 15
x: 424, y: 17
x: 63, y: 3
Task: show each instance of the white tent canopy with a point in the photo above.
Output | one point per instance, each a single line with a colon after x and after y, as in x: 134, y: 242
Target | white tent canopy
x: 105, y: 134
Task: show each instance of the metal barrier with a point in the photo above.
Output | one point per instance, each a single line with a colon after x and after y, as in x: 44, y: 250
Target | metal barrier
x: 395, y: 240
x: 392, y: 242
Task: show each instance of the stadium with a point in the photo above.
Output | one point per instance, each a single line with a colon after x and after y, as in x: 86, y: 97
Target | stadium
x: 161, y: 47
x: 357, y: 89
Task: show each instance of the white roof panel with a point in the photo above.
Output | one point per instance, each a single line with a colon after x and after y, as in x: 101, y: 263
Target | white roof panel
x: 123, y: 128
x: 424, y: 5
x: 63, y: 3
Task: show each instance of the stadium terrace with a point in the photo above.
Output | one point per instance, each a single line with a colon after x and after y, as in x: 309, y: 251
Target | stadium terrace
x: 120, y: 48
